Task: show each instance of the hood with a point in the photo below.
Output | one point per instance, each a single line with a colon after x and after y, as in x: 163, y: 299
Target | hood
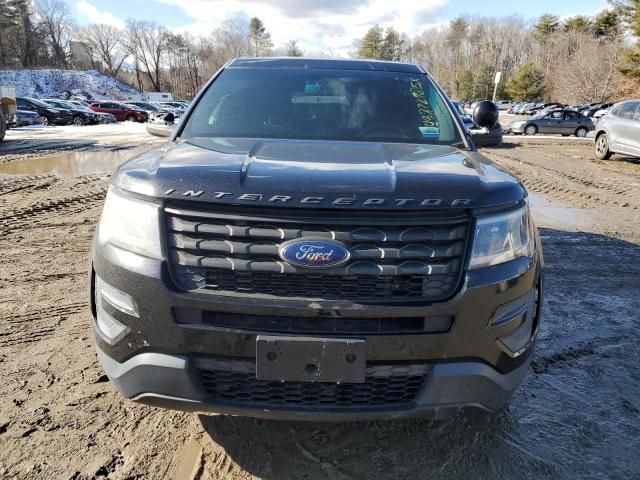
x: 319, y: 174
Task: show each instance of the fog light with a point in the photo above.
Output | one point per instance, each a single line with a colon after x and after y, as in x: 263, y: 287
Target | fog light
x: 118, y: 300
x: 111, y: 329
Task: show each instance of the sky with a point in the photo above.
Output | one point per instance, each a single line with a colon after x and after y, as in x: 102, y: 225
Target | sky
x: 318, y: 25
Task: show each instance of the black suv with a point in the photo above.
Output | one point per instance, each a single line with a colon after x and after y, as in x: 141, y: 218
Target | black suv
x: 81, y: 115
x: 49, y: 114
x: 319, y: 240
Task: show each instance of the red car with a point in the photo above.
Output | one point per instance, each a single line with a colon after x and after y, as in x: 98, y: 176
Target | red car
x: 121, y: 111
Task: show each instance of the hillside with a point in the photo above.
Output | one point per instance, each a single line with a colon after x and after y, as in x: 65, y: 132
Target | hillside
x: 55, y: 83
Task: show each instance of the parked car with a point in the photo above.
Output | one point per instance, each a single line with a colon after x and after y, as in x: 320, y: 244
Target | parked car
x: 560, y: 121
x: 504, y: 104
x: 27, y: 117
x: 519, y: 109
x: 533, y: 108
x: 149, y: 107
x: 50, y: 115
x: 120, y: 110
x: 591, y: 111
x: 600, y: 113
x: 176, y: 105
x: 82, y: 103
x: 492, y: 137
x: 81, y: 115
x: 356, y: 267
x: 618, y: 131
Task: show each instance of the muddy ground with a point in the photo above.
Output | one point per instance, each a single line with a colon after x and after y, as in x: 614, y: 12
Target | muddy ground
x: 577, y: 414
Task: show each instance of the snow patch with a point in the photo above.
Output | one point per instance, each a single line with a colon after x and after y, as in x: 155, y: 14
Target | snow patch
x: 52, y: 83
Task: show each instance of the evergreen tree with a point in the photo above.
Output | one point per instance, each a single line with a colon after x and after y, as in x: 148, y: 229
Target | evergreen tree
x: 579, y: 24
x: 393, y: 46
x: 606, y: 24
x: 259, y: 39
x: 292, y: 49
x: 547, y: 25
x: 629, y: 10
x: 527, y: 84
x: 372, y: 44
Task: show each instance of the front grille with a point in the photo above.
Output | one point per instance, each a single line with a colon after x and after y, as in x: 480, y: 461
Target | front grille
x: 415, y: 256
x: 384, y: 386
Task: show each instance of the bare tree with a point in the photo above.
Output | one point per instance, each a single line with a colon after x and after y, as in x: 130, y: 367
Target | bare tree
x: 590, y: 73
x: 147, y: 42
x: 54, y: 18
x: 104, y: 44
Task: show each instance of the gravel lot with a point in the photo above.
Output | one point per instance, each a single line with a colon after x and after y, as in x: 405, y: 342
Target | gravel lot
x: 576, y: 416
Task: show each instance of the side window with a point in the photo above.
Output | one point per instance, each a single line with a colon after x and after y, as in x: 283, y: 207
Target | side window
x: 555, y: 116
x: 636, y: 117
x: 570, y: 115
x: 627, y: 109
x: 21, y: 103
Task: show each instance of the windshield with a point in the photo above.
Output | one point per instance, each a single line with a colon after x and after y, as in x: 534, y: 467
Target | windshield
x: 323, y: 104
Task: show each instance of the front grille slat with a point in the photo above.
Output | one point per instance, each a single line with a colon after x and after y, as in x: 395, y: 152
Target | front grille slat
x: 416, y: 256
x: 358, y: 251
x: 362, y: 267
x: 285, y: 233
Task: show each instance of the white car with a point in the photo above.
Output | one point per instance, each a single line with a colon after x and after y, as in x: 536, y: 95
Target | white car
x: 601, y: 112
x: 504, y: 104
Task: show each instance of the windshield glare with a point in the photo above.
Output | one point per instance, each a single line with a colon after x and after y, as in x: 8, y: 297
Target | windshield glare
x: 323, y: 104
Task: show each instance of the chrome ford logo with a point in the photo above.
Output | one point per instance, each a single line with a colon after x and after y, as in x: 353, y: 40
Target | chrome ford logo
x: 314, y: 253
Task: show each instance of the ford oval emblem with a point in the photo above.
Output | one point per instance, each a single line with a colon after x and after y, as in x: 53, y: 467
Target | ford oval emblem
x: 314, y: 253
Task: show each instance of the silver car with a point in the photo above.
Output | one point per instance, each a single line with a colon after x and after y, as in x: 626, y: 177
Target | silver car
x: 618, y: 131
x: 558, y: 121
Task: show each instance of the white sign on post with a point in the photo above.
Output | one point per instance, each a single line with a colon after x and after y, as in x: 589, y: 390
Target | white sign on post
x: 496, y: 81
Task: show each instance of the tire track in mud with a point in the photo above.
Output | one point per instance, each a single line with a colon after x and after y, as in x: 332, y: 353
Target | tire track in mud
x: 529, y: 174
x: 35, y: 326
x: 51, y: 210
x: 611, y: 187
x: 32, y: 182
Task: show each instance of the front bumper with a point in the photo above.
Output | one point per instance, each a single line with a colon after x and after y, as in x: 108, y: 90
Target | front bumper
x: 516, y: 129
x: 158, y: 360
x: 168, y: 381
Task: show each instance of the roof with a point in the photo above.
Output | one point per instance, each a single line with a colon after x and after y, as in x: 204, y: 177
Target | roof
x: 324, y: 63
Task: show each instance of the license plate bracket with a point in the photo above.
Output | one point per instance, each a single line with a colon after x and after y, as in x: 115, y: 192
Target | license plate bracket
x: 310, y: 359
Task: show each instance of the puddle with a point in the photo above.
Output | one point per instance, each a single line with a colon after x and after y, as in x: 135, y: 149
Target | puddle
x: 554, y: 214
x: 71, y: 164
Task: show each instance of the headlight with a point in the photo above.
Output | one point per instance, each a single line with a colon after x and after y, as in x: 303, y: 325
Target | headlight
x: 501, y: 238
x: 133, y: 225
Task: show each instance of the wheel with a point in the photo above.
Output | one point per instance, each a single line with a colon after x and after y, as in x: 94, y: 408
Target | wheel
x: 45, y: 121
x: 131, y: 118
x: 581, y: 132
x: 602, y: 147
x: 78, y: 120
x: 530, y: 130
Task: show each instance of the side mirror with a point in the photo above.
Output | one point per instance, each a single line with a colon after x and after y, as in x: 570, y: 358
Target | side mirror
x: 485, y: 114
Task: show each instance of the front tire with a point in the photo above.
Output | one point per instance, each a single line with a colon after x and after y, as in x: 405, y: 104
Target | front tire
x: 131, y: 118
x: 530, y: 130
x: 78, y: 121
x: 581, y: 132
x: 602, y: 147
